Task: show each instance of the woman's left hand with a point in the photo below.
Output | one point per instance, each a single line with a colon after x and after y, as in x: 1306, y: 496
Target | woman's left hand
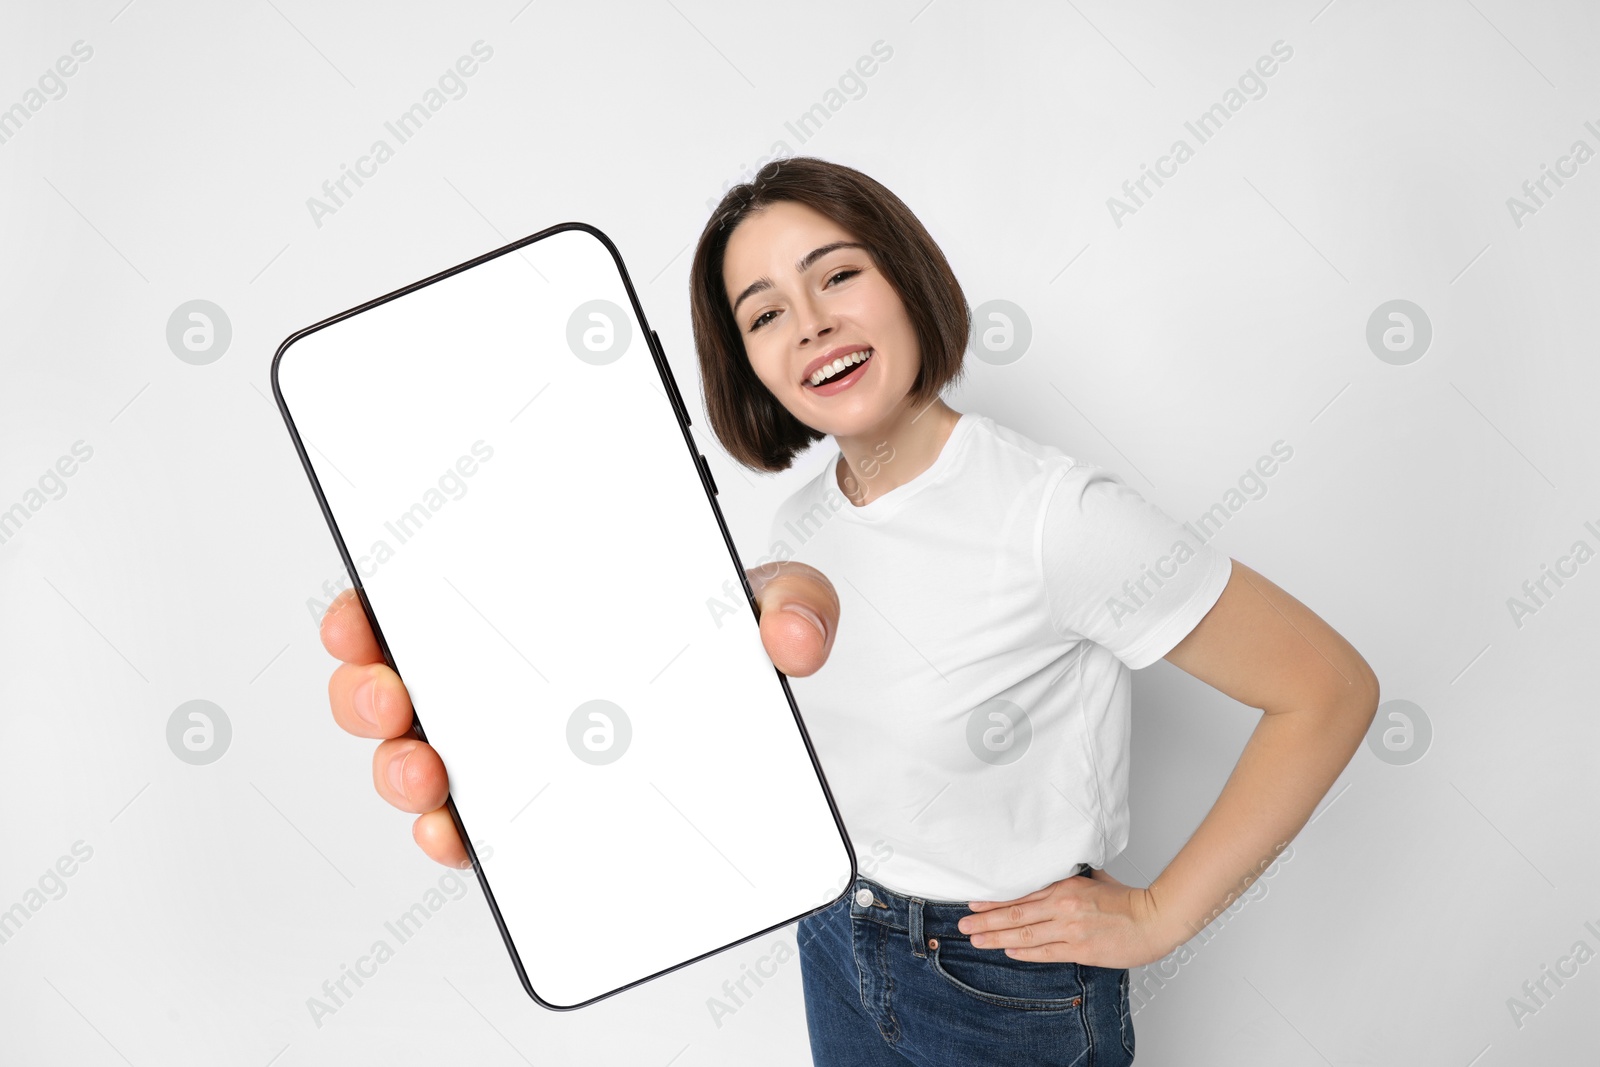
x: 1088, y: 918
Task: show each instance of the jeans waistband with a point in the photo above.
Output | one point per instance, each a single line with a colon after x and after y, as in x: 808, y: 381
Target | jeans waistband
x: 922, y: 920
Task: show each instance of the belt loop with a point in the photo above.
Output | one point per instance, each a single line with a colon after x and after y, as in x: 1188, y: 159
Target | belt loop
x: 914, y: 921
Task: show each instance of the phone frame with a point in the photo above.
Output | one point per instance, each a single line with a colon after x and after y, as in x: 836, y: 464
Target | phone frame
x: 708, y: 486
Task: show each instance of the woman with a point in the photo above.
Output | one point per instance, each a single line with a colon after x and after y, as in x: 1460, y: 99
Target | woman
x: 989, y: 597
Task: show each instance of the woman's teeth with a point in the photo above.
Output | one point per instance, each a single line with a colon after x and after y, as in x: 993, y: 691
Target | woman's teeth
x: 825, y: 372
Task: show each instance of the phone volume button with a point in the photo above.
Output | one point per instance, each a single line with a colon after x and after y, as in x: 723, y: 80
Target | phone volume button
x: 672, y: 384
x: 705, y: 466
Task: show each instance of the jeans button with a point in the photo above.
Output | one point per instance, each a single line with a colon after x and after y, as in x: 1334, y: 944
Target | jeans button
x: 863, y: 897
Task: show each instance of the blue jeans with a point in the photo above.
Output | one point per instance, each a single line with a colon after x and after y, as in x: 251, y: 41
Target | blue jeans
x: 889, y: 981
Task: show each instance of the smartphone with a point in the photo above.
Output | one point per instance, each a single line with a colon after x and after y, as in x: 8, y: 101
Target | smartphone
x: 508, y: 470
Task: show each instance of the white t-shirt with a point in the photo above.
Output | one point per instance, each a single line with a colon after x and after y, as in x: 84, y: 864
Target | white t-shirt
x: 973, y: 715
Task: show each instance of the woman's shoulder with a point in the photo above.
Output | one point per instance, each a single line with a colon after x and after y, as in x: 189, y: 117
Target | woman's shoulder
x: 1006, y: 444
x: 1012, y: 464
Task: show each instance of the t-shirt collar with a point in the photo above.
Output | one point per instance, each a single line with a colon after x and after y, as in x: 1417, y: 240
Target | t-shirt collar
x: 880, y: 508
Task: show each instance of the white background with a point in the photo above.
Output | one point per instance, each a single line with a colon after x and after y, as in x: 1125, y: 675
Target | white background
x: 1227, y: 313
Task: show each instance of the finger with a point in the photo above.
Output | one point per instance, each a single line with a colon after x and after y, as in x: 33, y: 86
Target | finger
x: 1026, y: 935
x: 799, y: 613
x: 1009, y: 917
x: 435, y: 833
x: 409, y: 774
x: 987, y: 905
x: 369, y: 700
x: 346, y: 633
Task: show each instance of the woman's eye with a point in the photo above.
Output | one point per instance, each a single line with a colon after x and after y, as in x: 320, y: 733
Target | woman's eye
x: 848, y: 272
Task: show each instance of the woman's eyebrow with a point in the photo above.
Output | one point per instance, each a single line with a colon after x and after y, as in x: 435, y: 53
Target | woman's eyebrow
x: 763, y: 284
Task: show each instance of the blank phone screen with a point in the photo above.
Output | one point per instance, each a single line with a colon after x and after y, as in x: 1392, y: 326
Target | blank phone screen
x: 502, y: 464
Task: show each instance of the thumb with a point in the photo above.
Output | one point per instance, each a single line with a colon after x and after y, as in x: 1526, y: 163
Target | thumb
x: 799, y: 614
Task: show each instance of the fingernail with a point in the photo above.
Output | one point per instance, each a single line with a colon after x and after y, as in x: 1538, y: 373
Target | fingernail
x: 366, y: 705
x: 810, y: 616
x: 397, y: 771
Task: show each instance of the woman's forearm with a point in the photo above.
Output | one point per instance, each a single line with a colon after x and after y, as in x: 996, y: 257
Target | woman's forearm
x: 1291, y: 760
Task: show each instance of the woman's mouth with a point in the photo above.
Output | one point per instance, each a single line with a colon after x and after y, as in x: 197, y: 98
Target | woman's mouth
x: 841, y: 374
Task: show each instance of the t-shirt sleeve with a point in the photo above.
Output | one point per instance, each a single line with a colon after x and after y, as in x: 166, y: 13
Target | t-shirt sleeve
x: 1119, y: 571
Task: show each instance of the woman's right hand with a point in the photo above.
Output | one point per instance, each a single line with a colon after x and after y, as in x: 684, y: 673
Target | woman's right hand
x: 370, y: 700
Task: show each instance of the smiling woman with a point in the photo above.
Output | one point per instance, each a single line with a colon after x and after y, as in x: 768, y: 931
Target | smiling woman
x: 873, y: 264
x: 949, y: 632
x: 974, y: 707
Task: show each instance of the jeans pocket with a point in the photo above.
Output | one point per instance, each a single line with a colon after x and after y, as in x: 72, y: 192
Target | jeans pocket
x: 991, y: 976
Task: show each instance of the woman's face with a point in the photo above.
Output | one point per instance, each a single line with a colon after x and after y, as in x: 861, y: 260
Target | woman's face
x: 797, y: 310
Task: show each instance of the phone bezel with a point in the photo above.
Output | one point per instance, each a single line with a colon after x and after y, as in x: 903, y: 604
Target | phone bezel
x: 680, y: 412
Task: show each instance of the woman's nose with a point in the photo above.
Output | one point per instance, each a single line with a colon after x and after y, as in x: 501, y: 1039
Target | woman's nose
x: 817, y: 323
x: 819, y: 327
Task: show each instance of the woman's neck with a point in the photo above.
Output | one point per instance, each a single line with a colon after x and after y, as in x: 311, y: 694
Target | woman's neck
x: 893, y: 452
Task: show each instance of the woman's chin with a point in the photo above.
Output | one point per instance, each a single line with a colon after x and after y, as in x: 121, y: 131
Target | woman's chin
x: 837, y: 426
x: 842, y: 417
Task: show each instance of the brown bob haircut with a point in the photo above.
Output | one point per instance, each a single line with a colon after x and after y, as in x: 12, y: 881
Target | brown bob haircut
x: 756, y: 430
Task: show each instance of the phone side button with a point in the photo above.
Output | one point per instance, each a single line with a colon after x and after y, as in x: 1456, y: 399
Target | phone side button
x: 672, y: 383
x: 712, y: 482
